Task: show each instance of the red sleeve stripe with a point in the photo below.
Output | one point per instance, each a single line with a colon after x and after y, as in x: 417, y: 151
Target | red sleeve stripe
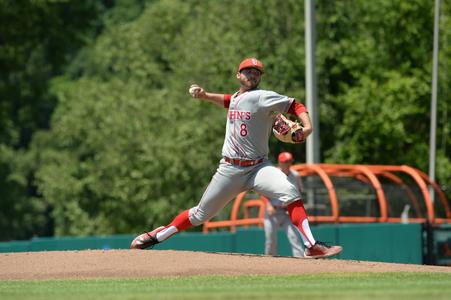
x: 297, y: 108
x: 227, y: 98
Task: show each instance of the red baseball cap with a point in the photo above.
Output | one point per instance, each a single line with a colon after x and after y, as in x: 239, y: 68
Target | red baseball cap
x: 285, y: 157
x: 251, y: 62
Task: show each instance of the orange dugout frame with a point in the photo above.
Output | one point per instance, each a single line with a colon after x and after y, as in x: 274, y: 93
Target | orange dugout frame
x: 369, y: 174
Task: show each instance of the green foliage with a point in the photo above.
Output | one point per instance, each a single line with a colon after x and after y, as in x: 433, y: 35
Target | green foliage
x: 375, y: 62
x: 37, y: 40
x: 127, y: 147
x: 382, y: 116
x: 20, y: 216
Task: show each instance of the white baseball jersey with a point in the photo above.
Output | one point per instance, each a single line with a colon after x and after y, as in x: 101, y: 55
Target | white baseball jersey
x: 249, y: 123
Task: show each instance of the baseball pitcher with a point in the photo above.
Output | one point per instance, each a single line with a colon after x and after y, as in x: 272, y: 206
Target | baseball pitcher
x: 252, y: 115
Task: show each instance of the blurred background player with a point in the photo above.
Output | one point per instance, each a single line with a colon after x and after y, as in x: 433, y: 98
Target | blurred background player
x: 276, y: 214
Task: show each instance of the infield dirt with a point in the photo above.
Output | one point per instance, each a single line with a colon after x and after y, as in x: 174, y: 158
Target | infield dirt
x: 139, y: 264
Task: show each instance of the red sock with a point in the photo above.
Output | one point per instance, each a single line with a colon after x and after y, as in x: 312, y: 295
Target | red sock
x: 181, y: 222
x: 298, y: 214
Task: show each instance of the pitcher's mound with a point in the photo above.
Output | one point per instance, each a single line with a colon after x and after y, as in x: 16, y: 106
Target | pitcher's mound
x: 138, y: 264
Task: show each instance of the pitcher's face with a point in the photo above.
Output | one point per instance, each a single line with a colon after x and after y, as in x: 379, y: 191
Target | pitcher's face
x: 249, y: 78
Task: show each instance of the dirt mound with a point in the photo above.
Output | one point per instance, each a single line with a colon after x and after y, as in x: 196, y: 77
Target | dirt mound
x: 138, y: 264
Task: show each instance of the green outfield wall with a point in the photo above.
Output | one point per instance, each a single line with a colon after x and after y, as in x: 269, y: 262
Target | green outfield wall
x: 401, y: 243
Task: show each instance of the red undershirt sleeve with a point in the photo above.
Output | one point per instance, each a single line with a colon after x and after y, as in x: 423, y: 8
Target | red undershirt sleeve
x: 227, y: 98
x: 296, y: 108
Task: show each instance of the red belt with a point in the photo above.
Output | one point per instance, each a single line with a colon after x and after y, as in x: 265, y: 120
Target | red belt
x: 242, y: 163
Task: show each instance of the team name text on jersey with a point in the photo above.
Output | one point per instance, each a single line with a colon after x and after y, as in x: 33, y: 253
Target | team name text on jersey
x: 239, y: 115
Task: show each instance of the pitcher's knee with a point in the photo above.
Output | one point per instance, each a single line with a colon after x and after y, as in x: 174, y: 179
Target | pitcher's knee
x: 198, y: 216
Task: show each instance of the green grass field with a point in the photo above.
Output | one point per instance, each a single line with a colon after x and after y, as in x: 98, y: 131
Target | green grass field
x: 321, y: 286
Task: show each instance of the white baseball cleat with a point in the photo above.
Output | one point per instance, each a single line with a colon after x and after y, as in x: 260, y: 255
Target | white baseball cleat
x: 146, y: 240
x: 321, y: 250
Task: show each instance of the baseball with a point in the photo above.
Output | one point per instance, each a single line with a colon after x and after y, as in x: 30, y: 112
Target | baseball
x: 194, y: 90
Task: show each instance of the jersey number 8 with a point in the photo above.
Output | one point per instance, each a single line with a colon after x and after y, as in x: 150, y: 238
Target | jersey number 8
x: 243, y: 129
